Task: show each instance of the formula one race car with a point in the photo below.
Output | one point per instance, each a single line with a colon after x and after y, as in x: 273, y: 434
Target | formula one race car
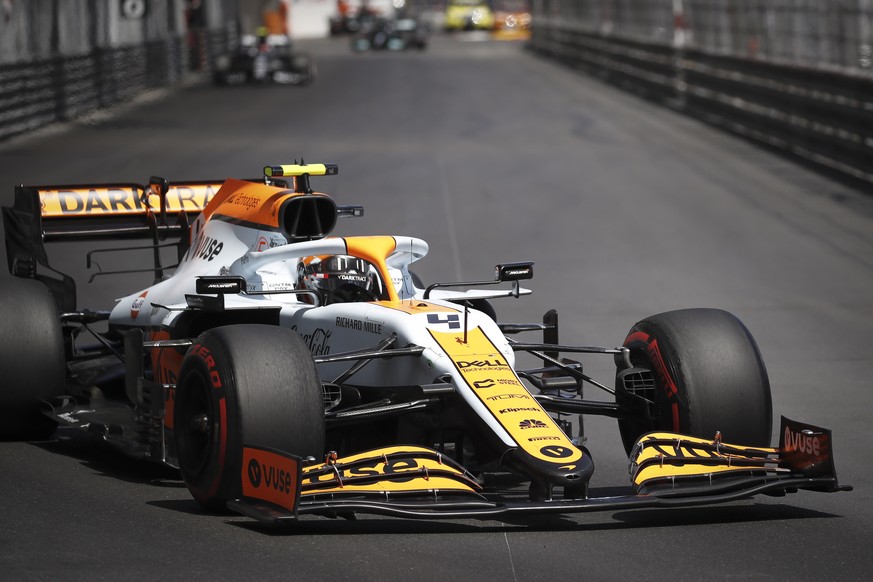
x: 264, y: 58
x: 287, y: 372
x: 393, y: 34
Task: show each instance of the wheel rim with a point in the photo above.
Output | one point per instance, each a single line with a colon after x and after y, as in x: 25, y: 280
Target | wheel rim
x: 196, y: 426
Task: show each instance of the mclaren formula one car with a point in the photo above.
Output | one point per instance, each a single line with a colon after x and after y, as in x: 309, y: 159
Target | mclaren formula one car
x: 287, y: 372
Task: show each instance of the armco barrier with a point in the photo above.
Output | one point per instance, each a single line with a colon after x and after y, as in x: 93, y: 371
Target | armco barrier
x: 644, y: 68
x: 823, y: 116
x: 35, y: 94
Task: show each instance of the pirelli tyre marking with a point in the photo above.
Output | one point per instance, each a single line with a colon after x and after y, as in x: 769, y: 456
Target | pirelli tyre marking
x: 485, y: 370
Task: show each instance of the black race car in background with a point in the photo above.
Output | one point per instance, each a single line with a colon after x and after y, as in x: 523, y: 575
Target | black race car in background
x: 264, y: 58
x: 396, y: 34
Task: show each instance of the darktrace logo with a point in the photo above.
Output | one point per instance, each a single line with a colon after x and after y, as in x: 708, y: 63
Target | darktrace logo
x: 531, y: 423
x: 489, y: 383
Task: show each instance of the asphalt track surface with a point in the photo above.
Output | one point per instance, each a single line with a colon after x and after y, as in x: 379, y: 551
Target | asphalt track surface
x: 492, y: 155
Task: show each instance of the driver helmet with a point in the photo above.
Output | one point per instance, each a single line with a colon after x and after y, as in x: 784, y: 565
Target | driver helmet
x: 339, y: 278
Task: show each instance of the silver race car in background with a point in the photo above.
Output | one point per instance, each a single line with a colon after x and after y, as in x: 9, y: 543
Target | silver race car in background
x: 285, y: 371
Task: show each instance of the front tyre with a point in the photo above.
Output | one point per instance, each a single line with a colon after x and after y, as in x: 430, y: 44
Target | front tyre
x: 243, y: 385
x: 709, y: 376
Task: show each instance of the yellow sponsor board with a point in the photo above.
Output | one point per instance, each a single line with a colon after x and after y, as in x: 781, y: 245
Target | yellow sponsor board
x: 122, y: 200
x: 495, y: 383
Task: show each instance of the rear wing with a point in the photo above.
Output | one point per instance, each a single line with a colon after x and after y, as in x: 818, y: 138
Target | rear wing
x: 158, y: 212
x: 155, y: 210
x: 118, y: 210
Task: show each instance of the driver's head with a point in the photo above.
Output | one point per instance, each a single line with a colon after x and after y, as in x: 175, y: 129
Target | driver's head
x: 339, y: 278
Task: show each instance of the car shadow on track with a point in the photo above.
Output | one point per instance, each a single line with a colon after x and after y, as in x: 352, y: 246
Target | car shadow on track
x: 736, y: 512
x: 722, y: 514
x: 104, y: 459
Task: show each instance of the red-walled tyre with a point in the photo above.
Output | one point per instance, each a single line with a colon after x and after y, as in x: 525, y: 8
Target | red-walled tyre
x: 32, y: 362
x: 709, y: 376
x: 243, y: 385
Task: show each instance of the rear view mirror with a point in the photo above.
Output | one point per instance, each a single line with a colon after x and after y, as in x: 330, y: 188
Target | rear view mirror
x: 514, y: 271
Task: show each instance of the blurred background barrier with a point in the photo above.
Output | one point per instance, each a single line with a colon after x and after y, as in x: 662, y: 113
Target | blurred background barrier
x: 61, y: 59
x: 792, y: 74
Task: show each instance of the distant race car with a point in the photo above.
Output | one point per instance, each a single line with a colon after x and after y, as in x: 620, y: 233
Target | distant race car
x: 264, y: 59
x: 350, y: 19
x: 287, y: 372
x: 393, y: 34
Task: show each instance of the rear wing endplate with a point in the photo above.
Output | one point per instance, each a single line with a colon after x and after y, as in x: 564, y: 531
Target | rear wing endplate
x: 40, y: 214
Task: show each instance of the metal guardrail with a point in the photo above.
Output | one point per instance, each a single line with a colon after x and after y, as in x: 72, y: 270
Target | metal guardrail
x: 38, y: 93
x: 823, y: 115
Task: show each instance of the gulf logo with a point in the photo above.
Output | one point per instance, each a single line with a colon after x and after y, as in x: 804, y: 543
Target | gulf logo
x: 137, y: 305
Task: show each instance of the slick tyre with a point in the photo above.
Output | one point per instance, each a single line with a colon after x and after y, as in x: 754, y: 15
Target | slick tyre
x: 243, y: 385
x: 304, y: 65
x: 709, y: 376
x: 32, y: 362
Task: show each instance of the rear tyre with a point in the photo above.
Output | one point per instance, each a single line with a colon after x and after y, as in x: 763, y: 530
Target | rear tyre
x: 243, y: 385
x: 32, y: 362
x: 709, y: 377
x: 304, y: 65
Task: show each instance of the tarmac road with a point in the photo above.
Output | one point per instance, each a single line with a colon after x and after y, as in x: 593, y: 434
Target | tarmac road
x: 492, y: 155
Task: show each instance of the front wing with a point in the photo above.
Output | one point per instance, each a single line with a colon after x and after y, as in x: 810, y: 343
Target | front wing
x: 666, y: 469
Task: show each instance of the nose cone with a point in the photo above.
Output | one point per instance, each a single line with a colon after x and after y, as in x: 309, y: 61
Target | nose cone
x: 545, y: 476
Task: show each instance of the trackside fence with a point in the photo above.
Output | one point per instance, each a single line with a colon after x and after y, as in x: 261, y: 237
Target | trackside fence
x: 38, y: 93
x: 61, y: 59
x: 792, y: 74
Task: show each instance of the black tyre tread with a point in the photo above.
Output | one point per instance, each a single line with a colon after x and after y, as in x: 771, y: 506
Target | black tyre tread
x: 719, y: 372
x: 32, y: 361
x: 273, y: 399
